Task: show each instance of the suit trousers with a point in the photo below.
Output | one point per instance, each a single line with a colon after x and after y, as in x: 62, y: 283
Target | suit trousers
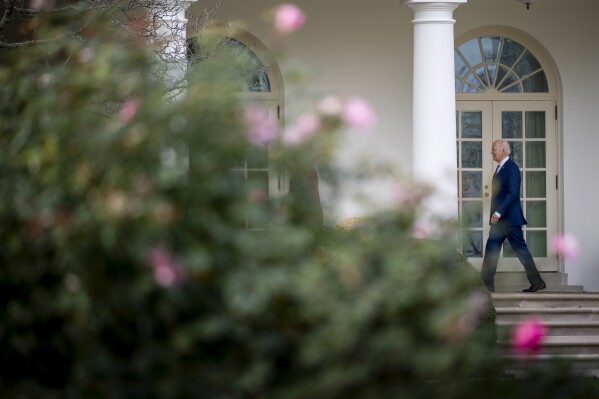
x: 497, y: 235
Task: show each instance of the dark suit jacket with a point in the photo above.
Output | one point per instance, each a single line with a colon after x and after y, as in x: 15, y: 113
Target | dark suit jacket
x: 506, y: 195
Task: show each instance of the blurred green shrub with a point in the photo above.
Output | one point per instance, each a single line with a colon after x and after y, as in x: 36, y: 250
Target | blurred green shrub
x: 126, y: 270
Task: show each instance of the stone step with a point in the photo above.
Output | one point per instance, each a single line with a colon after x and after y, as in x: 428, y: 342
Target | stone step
x: 557, y: 328
x: 584, y: 364
x: 518, y: 279
x: 566, y: 345
x: 545, y: 299
x: 550, y: 288
x: 563, y: 314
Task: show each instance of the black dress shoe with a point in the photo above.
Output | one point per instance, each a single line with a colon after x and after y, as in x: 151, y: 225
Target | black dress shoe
x: 491, y: 288
x: 535, y: 287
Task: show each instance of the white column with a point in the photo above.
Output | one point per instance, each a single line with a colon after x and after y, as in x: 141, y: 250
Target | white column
x: 171, y: 35
x: 434, y: 127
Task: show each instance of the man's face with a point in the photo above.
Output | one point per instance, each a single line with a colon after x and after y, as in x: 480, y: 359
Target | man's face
x: 497, y: 152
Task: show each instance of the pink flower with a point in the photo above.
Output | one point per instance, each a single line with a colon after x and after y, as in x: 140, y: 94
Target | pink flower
x: 358, y: 114
x: 261, y: 129
x: 527, y: 336
x: 330, y: 106
x: 303, y: 128
x: 165, y: 276
x: 421, y: 229
x: 129, y: 109
x: 289, y: 18
x: 85, y: 55
x: 166, y: 272
x: 565, y: 245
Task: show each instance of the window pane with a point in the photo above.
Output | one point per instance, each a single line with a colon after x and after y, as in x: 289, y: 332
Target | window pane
x: 472, y: 124
x: 257, y: 158
x: 472, y: 154
x: 527, y: 64
x: 536, y: 213
x: 492, y: 68
x: 258, y: 180
x: 471, y: 52
x: 472, y: 244
x: 537, y: 243
x: 510, y: 53
x: 472, y: 184
x: 490, y: 48
x: 460, y: 66
x: 472, y: 214
x: 511, y: 124
x: 239, y: 163
x: 237, y: 181
x: 515, y: 88
x: 509, y: 79
x: 471, y: 78
x: 536, y: 83
x: 535, y: 154
x: 480, y: 72
x: 535, y: 124
x: 535, y: 185
x: 501, y: 72
x: 467, y: 88
x: 516, y: 152
x: 257, y: 186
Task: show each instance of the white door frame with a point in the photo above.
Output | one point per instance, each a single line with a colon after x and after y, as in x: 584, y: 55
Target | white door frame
x: 492, y: 130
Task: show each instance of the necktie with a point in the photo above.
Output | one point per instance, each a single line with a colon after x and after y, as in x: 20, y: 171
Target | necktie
x: 496, y: 170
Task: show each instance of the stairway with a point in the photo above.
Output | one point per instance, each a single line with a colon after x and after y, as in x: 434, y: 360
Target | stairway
x: 572, y: 321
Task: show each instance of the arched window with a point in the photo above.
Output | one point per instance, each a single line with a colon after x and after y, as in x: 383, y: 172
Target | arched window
x: 252, y: 73
x: 255, y: 73
x: 497, y: 63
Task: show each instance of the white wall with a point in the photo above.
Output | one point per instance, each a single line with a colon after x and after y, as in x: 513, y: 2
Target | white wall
x: 365, y: 48
x: 349, y: 47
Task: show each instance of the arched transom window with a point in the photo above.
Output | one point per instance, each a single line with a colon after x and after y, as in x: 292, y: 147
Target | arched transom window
x: 252, y: 74
x: 497, y: 63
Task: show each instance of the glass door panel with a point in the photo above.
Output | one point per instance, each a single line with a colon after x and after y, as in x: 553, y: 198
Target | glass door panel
x: 474, y: 126
x: 529, y: 128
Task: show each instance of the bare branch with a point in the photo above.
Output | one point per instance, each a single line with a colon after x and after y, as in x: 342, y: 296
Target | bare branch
x: 6, y: 45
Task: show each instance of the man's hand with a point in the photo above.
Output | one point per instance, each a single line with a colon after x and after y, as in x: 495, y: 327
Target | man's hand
x: 494, y: 219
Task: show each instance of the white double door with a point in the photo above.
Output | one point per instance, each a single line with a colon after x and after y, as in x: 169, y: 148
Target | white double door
x: 530, y: 129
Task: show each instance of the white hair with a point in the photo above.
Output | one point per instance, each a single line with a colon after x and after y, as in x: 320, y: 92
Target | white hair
x: 504, y: 145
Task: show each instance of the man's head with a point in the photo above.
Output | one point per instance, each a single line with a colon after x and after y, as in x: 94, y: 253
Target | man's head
x: 500, y: 150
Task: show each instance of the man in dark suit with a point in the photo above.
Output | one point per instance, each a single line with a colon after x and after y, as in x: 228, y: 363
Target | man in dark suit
x: 507, y: 220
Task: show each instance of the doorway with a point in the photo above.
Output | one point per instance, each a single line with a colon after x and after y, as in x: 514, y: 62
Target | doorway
x: 530, y: 129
